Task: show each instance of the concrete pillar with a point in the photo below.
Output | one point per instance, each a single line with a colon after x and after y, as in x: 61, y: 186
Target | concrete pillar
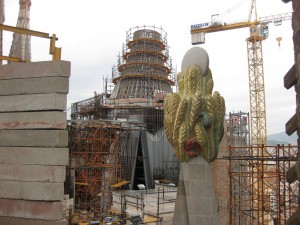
x: 199, y: 200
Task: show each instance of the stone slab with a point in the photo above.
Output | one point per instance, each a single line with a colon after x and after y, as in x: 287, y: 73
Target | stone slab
x: 33, y: 102
x: 34, y: 86
x: 34, y: 156
x: 40, y: 173
x: 4, y: 220
x: 40, y: 191
x: 34, y: 138
x: 53, y: 211
x: 33, y: 120
x: 57, y: 68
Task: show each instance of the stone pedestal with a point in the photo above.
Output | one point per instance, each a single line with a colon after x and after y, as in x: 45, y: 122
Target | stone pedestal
x: 196, y: 202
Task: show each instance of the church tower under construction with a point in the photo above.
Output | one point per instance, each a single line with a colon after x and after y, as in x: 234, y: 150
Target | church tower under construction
x: 145, y: 69
x: 119, y: 135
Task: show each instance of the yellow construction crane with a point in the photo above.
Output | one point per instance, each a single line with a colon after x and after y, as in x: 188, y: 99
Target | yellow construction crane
x: 258, y: 129
x: 258, y: 33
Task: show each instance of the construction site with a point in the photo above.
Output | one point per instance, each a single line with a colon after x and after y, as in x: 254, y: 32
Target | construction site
x: 111, y: 161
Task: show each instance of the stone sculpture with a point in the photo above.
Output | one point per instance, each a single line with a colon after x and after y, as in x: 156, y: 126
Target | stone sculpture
x: 194, y: 117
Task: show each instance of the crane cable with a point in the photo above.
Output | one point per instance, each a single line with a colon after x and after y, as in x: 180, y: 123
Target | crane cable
x: 229, y: 10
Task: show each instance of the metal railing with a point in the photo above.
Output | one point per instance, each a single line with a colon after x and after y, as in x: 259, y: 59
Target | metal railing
x: 53, y: 50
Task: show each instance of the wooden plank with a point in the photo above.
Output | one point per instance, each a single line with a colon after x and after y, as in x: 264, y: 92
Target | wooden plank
x: 291, y: 174
x: 292, y: 125
x: 290, y: 78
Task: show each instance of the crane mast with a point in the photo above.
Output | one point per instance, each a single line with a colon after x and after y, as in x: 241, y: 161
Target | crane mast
x: 258, y: 120
x: 259, y: 184
x: 258, y: 131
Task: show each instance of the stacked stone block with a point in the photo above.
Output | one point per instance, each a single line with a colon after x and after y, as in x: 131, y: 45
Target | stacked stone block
x: 292, y: 79
x: 33, y: 142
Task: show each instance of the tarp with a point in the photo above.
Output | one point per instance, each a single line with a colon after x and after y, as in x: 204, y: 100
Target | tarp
x: 158, y: 156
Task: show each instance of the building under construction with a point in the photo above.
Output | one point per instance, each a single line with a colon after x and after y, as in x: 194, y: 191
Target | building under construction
x: 117, y: 139
x: 118, y: 136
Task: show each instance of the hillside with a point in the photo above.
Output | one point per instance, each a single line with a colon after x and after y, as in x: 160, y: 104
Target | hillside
x: 282, y: 138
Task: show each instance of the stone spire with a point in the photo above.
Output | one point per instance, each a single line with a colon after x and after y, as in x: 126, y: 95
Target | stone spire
x: 21, y: 44
x: 2, y: 18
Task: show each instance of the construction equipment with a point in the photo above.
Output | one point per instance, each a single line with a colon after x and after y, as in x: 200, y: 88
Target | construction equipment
x: 260, y: 189
x: 258, y: 33
x: 54, y: 51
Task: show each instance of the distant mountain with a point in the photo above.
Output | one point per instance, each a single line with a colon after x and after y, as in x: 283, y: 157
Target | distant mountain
x: 282, y: 138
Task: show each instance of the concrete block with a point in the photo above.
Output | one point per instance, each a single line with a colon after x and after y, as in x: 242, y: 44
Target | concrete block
x: 41, y: 173
x: 34, y: 86
x: 53, y: 211
x: 36, y: 69
x: 40, y: 191
x: 34, y: 156
x: 33, y: 120
x: 4, y: 220
x: 33, y: 102
x: 35, y: 138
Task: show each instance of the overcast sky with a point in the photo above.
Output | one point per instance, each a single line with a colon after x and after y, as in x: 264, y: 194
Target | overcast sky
x: 91, y: 34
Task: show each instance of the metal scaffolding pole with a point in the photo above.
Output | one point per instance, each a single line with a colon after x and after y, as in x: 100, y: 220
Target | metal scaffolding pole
x: 276, y: 200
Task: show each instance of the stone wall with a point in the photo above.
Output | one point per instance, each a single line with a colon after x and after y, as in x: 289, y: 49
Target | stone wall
x: 33, y: 142
x: 292, y: 78
x: 221, y: 180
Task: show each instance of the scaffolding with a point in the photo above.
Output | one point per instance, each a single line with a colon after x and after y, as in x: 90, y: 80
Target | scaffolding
x: 145, y: 69
x: 277, y: 199
x: 260, y: 194
x: 119, y: 134
x: 88, y: 109
x: 152, y: 206
x: 142, y: 79
x: 98, y: 162
x: 107, y: 152
x: 240, y: 195
x: 146, y: 113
